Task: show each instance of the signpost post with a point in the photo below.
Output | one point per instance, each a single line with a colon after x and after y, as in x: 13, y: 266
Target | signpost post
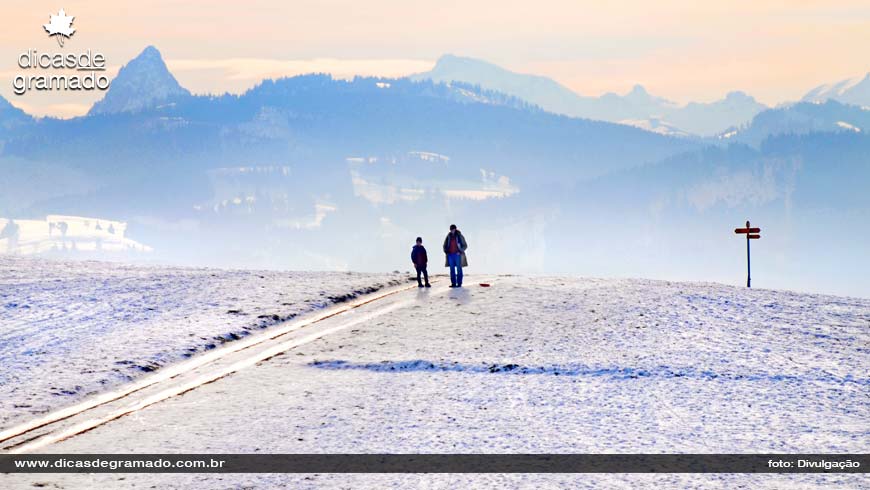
x: 751, y: 234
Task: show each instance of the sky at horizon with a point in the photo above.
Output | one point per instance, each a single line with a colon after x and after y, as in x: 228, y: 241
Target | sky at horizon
x: 684, y: 51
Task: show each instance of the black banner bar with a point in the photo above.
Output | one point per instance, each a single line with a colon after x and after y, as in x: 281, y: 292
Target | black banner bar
x: 434, y: 463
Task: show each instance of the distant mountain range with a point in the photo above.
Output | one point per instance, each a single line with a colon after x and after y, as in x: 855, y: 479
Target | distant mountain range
x: 637, y: 107
x: 311, y: 172
x: 146, y: 82
x: 294, y: 156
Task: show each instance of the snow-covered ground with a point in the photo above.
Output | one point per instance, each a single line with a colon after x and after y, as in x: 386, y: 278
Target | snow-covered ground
x: 70, y: 329
x: 542, y: 365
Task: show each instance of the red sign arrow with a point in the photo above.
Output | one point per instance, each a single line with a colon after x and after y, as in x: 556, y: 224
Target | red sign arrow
x: 747, y: 230
x: 753, y: 237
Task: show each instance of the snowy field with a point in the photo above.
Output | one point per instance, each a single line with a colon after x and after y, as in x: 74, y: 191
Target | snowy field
x: 71, y: 329
x: 541, y: 365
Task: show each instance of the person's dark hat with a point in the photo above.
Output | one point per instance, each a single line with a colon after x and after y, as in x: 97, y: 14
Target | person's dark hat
x: 452, y: 227
x: 419, y: 239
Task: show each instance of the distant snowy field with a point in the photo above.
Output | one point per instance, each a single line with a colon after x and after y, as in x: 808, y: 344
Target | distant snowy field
x: 540, y: 365
x: 69, y: 329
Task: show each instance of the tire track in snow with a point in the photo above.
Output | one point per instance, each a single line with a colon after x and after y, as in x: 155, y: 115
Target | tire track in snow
x: 207, y: 368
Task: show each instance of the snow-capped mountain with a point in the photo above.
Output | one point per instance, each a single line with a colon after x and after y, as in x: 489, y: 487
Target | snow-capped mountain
x: 855, y: 91
x: 539, y: 90
x: 142, y: 83
x: 656, y: 125
x: 803, y: 118
x: 637, y: 107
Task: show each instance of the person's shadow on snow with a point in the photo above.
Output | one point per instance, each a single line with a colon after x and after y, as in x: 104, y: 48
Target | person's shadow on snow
x: 460, y: 295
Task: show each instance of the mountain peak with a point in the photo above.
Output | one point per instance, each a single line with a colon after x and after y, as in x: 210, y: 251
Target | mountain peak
x: 538, y: 90
x: 736, y: 94
x: 150, y: 54
x: 638, y: 90
x: 450, y: 65
x: 140, y: 84
x: 639, y: 95
x: 855, y: 91
x: 448, y: 58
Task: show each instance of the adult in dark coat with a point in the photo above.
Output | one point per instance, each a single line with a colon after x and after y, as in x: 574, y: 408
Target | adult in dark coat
x: 454, y: 249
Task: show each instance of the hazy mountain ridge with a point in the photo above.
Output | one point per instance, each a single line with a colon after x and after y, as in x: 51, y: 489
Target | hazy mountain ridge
x: 636, y: 106
x: 11, y: 116
x: 297, y: 159
x: 803, y: 118
x: 708, y: 118
x: 539, y: 90
x: 854, y: 91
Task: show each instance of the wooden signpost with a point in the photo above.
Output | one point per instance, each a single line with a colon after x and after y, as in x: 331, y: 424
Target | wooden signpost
x: 751, y: 234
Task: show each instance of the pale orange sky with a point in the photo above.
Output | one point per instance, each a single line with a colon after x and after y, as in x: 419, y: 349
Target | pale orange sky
x: 774, y: 50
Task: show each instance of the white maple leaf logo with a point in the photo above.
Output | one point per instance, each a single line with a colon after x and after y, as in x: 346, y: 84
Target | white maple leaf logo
x: 60, y: 25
